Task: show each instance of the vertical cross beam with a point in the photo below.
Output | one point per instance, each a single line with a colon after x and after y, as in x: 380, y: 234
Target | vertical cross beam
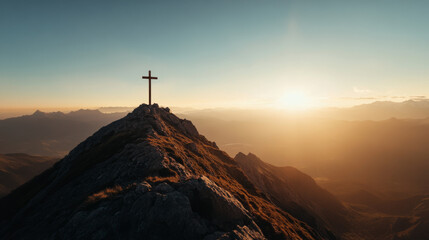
x: 150, y: 87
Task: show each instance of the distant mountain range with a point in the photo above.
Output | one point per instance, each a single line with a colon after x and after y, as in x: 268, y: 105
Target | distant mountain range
x: 51, y: 134
x: 380, y: 110
x: 389, y: 155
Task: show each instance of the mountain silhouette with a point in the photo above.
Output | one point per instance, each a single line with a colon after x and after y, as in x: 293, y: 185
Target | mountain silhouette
x: 148, y: 175
x: 381, y: 110
x: 51, y: 134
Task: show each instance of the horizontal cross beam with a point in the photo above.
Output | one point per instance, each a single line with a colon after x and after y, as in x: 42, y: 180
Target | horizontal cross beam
x: 150, y: 77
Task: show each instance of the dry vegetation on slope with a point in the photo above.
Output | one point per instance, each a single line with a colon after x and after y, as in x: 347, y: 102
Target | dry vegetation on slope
x: 148, y: 175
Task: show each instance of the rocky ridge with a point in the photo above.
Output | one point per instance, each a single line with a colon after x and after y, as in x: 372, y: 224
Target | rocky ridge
x: 149, y: 175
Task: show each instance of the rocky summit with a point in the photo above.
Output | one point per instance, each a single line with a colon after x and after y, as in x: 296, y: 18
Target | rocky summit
x: 149, y: 175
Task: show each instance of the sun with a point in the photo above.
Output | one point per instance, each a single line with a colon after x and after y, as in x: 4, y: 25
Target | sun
x: 295, y: 101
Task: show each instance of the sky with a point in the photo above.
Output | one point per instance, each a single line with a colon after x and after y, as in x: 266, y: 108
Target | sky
x: 247, y: 54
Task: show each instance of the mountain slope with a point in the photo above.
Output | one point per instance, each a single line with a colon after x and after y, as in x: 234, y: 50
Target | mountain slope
x: 18, y: 168
x: 415, y: 226
x: 296, y: 193
x: 149, y: 175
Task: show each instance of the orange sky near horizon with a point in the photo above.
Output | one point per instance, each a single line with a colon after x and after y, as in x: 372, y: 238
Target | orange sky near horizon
x: 290, y: 55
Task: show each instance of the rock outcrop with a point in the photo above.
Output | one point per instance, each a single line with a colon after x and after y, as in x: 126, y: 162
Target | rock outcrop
x: 149, y: 175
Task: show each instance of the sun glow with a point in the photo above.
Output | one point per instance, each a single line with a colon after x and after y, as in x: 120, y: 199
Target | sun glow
x: 295, y: 101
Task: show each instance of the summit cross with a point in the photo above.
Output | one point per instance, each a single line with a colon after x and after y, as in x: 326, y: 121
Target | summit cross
x: 150, y: 92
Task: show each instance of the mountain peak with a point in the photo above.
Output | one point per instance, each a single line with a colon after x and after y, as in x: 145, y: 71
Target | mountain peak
x: 249, y: 158
x: 157, y: 117
x: 38, y: 113
x: 240, y: 155
x: 148, y: 175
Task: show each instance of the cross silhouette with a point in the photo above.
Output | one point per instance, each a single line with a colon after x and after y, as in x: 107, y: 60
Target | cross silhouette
x: 150, y: 78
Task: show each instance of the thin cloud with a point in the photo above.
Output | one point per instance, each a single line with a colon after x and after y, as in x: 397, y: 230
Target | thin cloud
x: 419, y: 97
x: 361, y: 91
x: 387, y: 98
x: 360, y: 98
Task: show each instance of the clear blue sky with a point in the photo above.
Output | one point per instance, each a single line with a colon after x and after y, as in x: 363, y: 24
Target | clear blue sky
x: 211, y: 53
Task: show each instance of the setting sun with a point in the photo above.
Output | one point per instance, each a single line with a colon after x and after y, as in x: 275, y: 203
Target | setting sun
x: 295, y: 101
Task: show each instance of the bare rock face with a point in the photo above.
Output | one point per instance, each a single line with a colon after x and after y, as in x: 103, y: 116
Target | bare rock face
x: 149, y: 175
x: 215, y: 202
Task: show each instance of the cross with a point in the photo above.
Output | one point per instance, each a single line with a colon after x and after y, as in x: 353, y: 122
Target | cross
x: 150, y: 78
